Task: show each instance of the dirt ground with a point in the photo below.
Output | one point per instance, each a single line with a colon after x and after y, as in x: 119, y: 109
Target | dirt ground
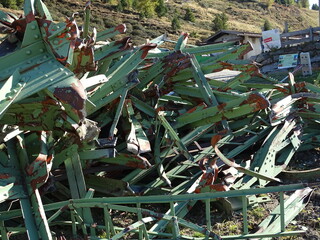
x: 309, y: 218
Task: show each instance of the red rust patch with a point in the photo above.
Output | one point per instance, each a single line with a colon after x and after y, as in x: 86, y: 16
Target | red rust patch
x: 185, y: 35
x: 74, y: 96
x: 257, y: 99
x: 215, y: 139
x: 221, y: 106
x: 30, y: 17
x: 201, y: 106
x: 4, y: 176
x: 30, y: 68
x: 121, y: 28
x: 35, y: 182
x: 146, y: 48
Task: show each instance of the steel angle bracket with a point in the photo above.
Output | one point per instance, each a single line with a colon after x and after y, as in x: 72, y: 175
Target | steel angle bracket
x: 229, y: 110
x: 286, y: 106
x: 160, y: 168
x: 112, y: 93
x: 36, y: 222
x: 112, y: 50
x: 230, y: 163
x: 182, y: 41
x: 285, y: 212
x: 265, y: 159
x: 220, y: 47
x: 137, y: 141
x: 129, y: 160
x: 109, y: 186
x: 9, y: 91
x: 175, y: 138
x: 159, y: 40
x: 111, y: 32
x: 4, y: 192
x: 202, y: 83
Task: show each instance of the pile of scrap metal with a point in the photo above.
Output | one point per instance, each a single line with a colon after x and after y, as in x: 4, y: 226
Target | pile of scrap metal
x: 94, y: 131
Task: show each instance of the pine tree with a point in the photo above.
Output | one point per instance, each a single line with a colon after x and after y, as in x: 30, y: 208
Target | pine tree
x: 270, y: 3
x: 304, y: 3
x: 289, y: 2
x: 112, y: 2
x: 19, y: 3
x: 161, y: 8
x: 189, y: 15
x: 267, y: 25
x: 146, y: 8
x: 175, y: 23
x: 220, y: 22
x: 124, y: 3
x: 119, y: 7
x: 134, y: 4
x: 315, y: 6
x: 9, y: 3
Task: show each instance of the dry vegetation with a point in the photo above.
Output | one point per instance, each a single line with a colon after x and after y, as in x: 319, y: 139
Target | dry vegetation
x: 243, y: 16
x: 248, y: 16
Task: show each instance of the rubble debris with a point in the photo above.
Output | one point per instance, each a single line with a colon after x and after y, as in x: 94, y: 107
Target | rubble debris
x: 92, y: 124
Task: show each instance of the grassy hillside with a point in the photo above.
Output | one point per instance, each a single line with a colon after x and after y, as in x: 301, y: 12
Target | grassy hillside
x: 248, y: 16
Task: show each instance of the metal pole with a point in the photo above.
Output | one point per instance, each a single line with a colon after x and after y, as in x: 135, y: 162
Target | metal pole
x: 319, y: 11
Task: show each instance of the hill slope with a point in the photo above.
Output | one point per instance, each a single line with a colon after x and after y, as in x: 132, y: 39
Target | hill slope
x: 243, y: 16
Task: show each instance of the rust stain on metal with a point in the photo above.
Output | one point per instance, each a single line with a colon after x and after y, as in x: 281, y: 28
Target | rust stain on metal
x: 146, y: 48
x: 30, y: 17
x: 30, y: 68
x: 4, y: 176
x: 121, y: 28
x: 75, y: 95
x: 258, y: 100
x: 221, y: 106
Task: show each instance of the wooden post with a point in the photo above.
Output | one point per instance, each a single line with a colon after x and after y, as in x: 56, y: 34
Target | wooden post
x: 311, y: 34
x: 286, y: 29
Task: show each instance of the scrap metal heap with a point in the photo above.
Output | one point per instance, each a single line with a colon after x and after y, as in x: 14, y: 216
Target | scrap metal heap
x: 95, y: 130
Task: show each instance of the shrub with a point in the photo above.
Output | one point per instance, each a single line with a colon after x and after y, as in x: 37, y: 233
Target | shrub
x: 189, y: 16
x: 269, y: 3
x: 119, y: 7
x: 194, y: 34
x: 267, y: 25
x: 315, y: 6
x: 220, y: 22
x: 9, y: 3
x: 125, y: 3
x: 304, y: 3
x: 161, y: 8
x: 146, y: 8
x: 175, y: 23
